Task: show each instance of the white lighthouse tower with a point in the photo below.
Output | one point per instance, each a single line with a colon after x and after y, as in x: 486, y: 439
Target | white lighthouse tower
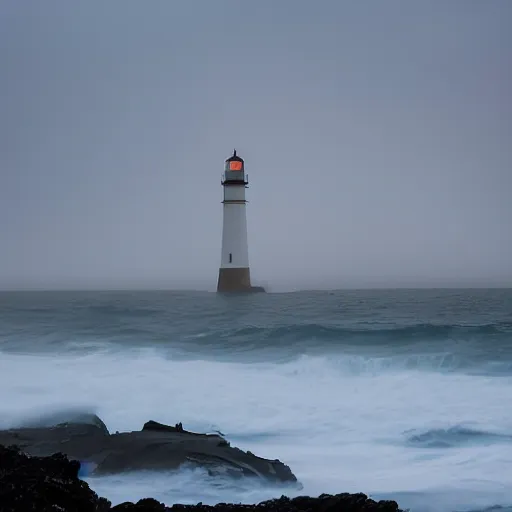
x: 234, y: 273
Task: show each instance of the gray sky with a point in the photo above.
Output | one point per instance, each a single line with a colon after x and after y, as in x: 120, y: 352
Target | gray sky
x: 377, y: 137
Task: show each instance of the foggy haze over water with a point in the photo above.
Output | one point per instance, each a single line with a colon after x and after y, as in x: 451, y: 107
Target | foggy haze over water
x: 377, y: 137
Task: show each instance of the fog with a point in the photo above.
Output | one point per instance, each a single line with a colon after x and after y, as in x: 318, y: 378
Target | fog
x: 377, y: 137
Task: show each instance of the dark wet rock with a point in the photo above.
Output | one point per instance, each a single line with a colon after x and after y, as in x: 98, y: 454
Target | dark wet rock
x: 144, y: 505
x: 51, y: 484
x: 155, y: 447
x: 324, y: 503
x: 64, y: 416
x: 160, y: 427
x: 41, y: 484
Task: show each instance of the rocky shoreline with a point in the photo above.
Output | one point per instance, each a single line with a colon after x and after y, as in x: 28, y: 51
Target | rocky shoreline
x: 156, y: 447
x: 51, y: 483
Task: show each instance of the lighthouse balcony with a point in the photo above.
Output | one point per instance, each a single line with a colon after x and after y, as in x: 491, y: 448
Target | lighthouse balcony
x: 234, y: 178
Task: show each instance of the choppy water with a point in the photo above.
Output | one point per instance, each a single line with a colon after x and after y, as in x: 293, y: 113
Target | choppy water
x: 398, y: 394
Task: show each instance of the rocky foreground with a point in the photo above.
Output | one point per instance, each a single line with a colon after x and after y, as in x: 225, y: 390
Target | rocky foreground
x: 44, y: 484
x: 84, y: 437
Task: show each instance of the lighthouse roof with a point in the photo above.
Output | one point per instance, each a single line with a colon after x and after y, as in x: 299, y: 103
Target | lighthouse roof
x: 234, y: 158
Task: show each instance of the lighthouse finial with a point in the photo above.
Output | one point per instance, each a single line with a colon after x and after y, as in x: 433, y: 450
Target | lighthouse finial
x: 234, y: 152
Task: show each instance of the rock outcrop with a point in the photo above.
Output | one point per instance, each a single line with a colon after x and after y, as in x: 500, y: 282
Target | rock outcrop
x: 45, y: 484
x: 155, y: 447
x: 41, y: 484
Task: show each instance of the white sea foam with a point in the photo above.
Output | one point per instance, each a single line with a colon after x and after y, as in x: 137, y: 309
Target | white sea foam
x: 340, y: 423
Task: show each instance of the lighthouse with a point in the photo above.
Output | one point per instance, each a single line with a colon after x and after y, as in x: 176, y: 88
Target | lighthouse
x: 234, y: 273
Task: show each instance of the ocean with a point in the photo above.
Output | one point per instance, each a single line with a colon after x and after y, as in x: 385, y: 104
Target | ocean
x: 400, y: 394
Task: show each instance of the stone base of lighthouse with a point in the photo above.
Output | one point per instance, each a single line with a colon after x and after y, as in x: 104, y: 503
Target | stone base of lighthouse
x: 236, y: 280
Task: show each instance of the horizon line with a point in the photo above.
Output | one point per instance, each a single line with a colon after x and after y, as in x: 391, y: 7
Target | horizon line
x: 297, y: 290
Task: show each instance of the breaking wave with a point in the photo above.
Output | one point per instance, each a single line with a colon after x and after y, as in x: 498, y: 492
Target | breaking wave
x: 455, y: 436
